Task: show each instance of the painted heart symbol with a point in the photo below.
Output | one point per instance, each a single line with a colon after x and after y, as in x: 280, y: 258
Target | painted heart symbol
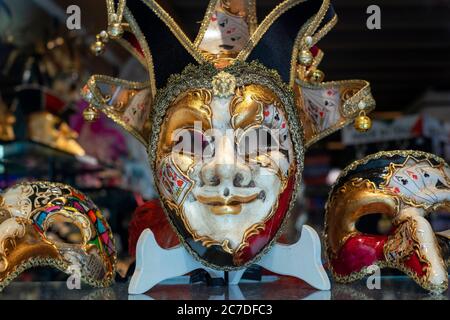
x: 412, y: 175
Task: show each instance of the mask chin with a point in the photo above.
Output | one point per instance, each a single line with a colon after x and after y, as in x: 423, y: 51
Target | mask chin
x: 229, y: 228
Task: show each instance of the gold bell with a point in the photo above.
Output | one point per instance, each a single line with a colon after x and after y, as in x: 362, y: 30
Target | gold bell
x: 316, y: 76
x: 115, y: 30
x: 98, y: 47
x: 103, y: 36
x: 305, y: 58
x: 363, y: 123
x: 90, y: 114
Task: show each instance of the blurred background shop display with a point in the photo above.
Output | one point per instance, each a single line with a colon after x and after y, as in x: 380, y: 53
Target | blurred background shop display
x: 43, y: 135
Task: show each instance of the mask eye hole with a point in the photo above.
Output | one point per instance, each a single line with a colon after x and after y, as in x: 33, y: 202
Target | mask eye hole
x: 375, y: 224
x: 257, y: 142
x: 193, y: 143
x: 63, y: 231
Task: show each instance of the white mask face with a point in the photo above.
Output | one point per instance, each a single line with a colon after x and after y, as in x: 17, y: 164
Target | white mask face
x: 224, y: 180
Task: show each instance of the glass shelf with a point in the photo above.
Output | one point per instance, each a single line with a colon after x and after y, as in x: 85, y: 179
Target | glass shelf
x: 29, y: 158
x: 270, y: 288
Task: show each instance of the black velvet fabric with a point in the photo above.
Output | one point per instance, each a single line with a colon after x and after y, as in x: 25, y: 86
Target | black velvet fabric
x: 274, y: 50
x: 190, y: 23
x: 169, y: 56
x: 375, y: 169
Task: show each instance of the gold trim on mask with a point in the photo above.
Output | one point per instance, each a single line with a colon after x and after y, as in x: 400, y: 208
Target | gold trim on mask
x: 115, y: 17
x: 265, y: 25
x: 21, y: 245
x: 302, y: 44
x: 93, y: 94
x: 247, y: 105
x: 247, y: 12
x: 95, y: 98
x: 254, y: 230
x: 190, y: 107
x: 355, y: 93
x: 176, y: 30
x: 350, y: 108
x: 134, y: 52
x: 211, y: 9
x: 144, y: 46
x: 256, y: 31
x: 257, y: 227
x: 396, y: 250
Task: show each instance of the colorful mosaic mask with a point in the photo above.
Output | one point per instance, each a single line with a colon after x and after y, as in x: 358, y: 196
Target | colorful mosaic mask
x: 405, y: 186
x: 30, y: 216
x: 226, y: 117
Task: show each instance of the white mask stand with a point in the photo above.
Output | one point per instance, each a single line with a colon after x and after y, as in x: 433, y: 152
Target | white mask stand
x: 155, y: 264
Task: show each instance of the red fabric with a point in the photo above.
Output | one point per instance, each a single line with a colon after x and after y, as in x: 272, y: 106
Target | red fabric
x: 53, y: 104
x: 151, y: 215
x: 359, y: 251
x: 364, y: 250
x: 260, y: 240
x: 413, y: 263
x: 417, y: 128
x: 314, y: 50
x: 283, y: 239
x: 134, y: 42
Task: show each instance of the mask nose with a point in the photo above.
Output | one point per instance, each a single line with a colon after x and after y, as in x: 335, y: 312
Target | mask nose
x: 419, y: 229
x: 226, y: 168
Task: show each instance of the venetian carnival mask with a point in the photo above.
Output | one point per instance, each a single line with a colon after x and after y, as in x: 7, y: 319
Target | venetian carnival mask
x: 48, y: 129
x: 30, y: 216
x: 406, y: 186
x: 7, y: 120
x: 226, y: 117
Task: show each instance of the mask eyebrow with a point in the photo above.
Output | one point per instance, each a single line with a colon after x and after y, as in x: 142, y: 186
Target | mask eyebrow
x: 247, y: 106
x: 184, y: 112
